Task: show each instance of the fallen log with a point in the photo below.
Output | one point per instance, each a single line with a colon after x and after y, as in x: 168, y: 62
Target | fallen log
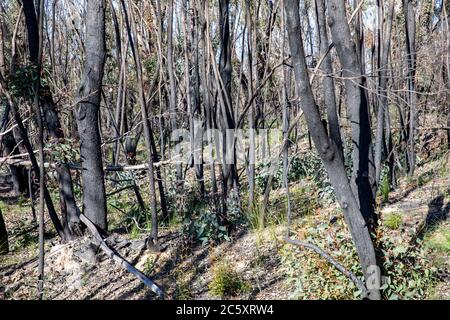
x: 77, y: 166
x: 119, y: 260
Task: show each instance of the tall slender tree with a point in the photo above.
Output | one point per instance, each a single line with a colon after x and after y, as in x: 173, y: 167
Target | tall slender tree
x: 87, y: 111
x: 172, y: 84
x: 357, y: 108
x: 8, y: 140
x: 69, y: 209
x: 38, y: 113
x: 226, y: 119
x: 383, y: 79
x: 410, y: 32
x: 148, y: 135
x: 328, y: 82
x: 329, y: 153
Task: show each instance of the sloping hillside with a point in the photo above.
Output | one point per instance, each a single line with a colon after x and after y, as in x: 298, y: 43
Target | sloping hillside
x: 254, y: 264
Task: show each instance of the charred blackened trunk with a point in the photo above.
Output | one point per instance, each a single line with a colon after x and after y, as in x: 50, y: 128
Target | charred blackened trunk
x: 328, y: 152
x: 4, y: 246
x: 410, y: 25
x: 130, y: 153
x: 226, y: 118
x: 328, y: 82
x: 69, y: 210
x: 89, y: 94
x: 357, y: 106
x: 10, y: 148
x: 32, y: 29
x: 196, y: 123
x: 383, y: 79
x: 34, y: 163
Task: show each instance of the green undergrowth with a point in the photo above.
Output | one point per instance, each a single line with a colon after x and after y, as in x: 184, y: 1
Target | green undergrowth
x: 226, y: 282
x: 439, y: 238
x: 408, y: 271
x: 393, y: 221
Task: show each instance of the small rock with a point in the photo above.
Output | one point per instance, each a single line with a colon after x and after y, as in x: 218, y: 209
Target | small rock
x: 137, y: 245
x: 87, y: 254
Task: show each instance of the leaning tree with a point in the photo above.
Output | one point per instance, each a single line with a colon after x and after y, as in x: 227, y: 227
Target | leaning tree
x: 329, y: 152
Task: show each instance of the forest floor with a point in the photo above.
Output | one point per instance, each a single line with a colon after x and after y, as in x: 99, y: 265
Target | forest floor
x: 259, y: 258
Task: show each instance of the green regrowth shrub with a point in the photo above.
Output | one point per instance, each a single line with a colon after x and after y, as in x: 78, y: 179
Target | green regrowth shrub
x: 393, y: 221
x: 201, y: 224
x: 227, y: 282
x: 385, y: 188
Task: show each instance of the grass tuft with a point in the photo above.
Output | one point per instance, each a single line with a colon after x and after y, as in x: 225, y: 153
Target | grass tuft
x: 226, y: 282
x: 393, y: 221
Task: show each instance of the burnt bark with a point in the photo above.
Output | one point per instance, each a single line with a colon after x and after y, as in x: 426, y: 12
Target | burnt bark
x: 88, y: 108
x: 69, y: 210
x: 226, y: 119
x: 357, y: 106
x: 193, y: 98
x: 18, y: 173
x: 410, y: 26
x: 383, y: 80
x: 328, y: 82
x: 4, y: 246
x: 32, y: 29
x: 328, y: 152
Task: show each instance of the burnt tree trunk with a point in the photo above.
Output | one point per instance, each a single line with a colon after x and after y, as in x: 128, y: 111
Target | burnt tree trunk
x: 328, y: 152
x: 410, y: 25
x: 205, y: 88
x: 328, y: 82
x: 357, y: 106
x: 10, y: 147
x: 69, y: 210
x: 148, y: 134
x: 195, y: 117
x: 383, y: 79
x: 89, y: 94
x: 226, y: 118
x: 4, y: 246
x: 32, y: 29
